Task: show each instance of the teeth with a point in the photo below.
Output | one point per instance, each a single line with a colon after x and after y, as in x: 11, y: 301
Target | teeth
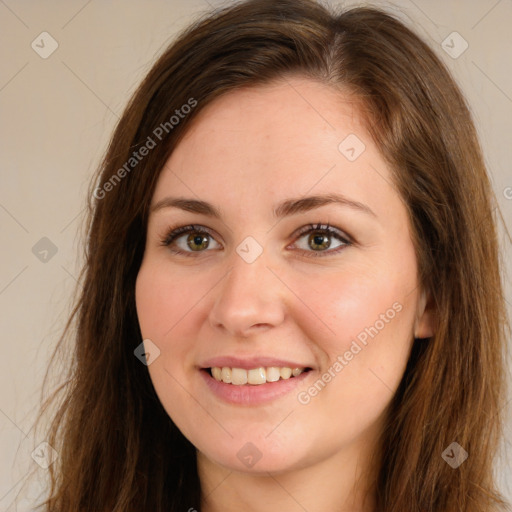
x: 225, y: 375
x: 238, y: 376
x: 285, y: 373
x: 217, y: 374
x: 273, y: 374
x: 255, y: 376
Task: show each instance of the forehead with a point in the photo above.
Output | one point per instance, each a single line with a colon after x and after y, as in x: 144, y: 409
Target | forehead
x: 277, y: 140
x: 293, y: 117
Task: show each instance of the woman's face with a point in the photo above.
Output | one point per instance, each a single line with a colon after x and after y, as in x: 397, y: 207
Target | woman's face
x: 259, y: 290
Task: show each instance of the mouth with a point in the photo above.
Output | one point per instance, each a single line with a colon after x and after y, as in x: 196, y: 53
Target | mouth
x: 253, y: 386
x: 254, y: 376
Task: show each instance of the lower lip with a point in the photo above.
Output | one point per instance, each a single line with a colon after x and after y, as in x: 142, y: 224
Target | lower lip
x: 250, y: 394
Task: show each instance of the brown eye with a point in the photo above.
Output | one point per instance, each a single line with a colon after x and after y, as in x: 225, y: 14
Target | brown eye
x: 189, y: 239
x: 197, y: 242
x: 316, y: 239
x: 319, y: 241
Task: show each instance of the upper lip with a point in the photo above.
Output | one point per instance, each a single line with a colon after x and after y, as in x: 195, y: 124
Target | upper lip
x: 250, y: 362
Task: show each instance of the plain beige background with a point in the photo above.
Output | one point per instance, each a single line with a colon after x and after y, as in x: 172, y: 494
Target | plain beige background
x: 57, y: 114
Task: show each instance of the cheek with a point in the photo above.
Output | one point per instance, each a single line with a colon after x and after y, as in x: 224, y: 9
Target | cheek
x: 346, y: 302
x: 164, y: 302
x: 162, y: 298
x: 362, y: 322
x: 165, y: 308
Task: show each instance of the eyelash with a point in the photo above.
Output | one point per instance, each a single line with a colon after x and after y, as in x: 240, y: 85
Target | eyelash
x: 174, y: 233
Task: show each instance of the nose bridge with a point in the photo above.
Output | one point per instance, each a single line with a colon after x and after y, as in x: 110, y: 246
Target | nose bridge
x: 249, y: 296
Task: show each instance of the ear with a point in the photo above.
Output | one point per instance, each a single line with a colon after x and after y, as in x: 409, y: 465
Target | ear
x: 424, y: 325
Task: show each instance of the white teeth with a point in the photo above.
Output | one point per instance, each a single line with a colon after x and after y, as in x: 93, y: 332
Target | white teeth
x: 257, y: 376
x: 273, y: 374
x: 254, y: 376
x: 285, y: 373
x: 225, y: 375
x: 238, y: 376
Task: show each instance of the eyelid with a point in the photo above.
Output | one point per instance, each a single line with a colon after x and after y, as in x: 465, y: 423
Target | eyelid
x: 319, y: 226
x: 174, y: 232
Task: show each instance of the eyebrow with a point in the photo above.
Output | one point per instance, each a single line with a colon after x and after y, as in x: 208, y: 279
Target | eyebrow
x: 284, y: 209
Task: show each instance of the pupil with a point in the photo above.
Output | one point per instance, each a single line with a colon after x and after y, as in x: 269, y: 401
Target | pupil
x: 321, y: 240
x: 199, y: 240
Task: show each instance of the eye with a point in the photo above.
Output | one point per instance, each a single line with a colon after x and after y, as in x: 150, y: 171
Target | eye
x: 319, y: 239
x: 197, y: 239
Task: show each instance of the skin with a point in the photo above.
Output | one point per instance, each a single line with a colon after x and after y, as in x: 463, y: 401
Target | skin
x: 245, y: 152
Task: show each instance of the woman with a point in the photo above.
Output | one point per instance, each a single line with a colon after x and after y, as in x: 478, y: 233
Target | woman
x: 291, y: 297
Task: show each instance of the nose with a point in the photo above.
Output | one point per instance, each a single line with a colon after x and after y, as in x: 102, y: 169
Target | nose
x: 249, y: 299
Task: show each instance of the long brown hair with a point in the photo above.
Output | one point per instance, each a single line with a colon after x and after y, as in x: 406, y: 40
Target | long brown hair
x: 118, y: 449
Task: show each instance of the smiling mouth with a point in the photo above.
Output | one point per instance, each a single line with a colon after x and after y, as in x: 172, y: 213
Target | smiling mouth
x: 254, y: 376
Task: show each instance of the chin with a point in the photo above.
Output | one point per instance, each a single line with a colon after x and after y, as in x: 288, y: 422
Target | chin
x: 256, y: 455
